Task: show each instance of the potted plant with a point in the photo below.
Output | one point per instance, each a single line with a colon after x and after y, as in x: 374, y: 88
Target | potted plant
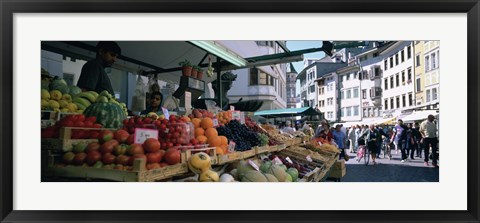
x: 200, y: 74
x: 195, y: 71
x: 186, y: 68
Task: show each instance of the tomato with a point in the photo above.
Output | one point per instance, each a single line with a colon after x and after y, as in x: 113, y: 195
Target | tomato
x: 92, y: 119
x: 81, y: 118
x: 155, y: 157
x: 105, y: 135
x: 79, y: 124
x: 107, y: 147
x: 121, y: 135
x: 137, y: 156
x: 151, y: 145
x: 93, y: 146
x: 88, y: 124
x: 97, y: 125
x: 172, y: 156
x: 122, y: 159
x: 93, y: 157
x: 135, y: 149
x: 108, y: 158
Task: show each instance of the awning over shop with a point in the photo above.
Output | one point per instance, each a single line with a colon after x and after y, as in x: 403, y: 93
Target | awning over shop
x: 419, y: 115
x: 386, y: 121
x: 288, y: 112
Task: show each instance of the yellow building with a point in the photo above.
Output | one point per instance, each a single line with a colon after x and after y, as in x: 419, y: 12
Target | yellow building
x: 419, y: 73
x: 432, y: 73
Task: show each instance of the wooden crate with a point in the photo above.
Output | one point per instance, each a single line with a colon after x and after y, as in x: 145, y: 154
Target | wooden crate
x: 211, y: 151
x: 311, y: 176
x: 264, y: 149
x: 247, y: 154
x: 138, y: 174
x: 228, y: 158
x: 338, y: 169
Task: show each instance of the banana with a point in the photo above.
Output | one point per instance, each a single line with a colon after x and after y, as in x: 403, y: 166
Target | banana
x: 82, y: 101
x: 90, y: 97
x: 94, y: 93
x: 80, y: 106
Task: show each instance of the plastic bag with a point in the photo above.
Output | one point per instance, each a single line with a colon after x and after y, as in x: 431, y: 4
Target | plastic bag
x: 138, y: 99
x: 153, y: 84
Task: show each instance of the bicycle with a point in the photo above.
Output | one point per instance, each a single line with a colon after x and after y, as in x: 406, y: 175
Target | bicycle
x: 363, y: 152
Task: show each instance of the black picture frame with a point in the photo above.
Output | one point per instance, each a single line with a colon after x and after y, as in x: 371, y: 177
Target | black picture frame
x: 9, y: 7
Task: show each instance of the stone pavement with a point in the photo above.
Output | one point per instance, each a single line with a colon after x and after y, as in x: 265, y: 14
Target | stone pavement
x: 390, y: 170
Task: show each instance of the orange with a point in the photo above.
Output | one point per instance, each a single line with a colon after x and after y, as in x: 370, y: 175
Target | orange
x: 223, y: 140
x: 211, y: 132
x: 196, y: 122
x: 206, y: 123
x: 214, y: 141
x: 224, y: 148
x: 219, y: 150
x: 201, y: 139
x: 199, y: 132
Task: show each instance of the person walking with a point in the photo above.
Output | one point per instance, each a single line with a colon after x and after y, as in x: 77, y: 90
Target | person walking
x: 428, y: 129
x: 352, y: 139
x: 400, y: 139
x: 340, y: 139
x: 357, y: 136
x: 418, y: 140
x: 372, y: 136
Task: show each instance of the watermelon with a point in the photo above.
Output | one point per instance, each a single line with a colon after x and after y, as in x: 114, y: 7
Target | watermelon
x: 74, y: 90
x: 110, y: 115
x: 59, y: 84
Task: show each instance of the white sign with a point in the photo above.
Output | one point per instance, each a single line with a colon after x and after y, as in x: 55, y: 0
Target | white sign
x: 165, y: 112
x: 232, y: 108
x: 254, y: 165
x: 277, y: 161
x: 309, y: 158
x: 288, y: 160
x: 242, y: 117
x: 231, y: 146
x: 141, y: 135
x: 215, y: 122
x: 236, y: 115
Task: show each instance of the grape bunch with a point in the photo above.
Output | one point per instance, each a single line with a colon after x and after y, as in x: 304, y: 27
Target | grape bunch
x: 244, y: 138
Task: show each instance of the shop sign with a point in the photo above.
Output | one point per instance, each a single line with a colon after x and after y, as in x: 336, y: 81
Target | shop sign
x: 142, y: 134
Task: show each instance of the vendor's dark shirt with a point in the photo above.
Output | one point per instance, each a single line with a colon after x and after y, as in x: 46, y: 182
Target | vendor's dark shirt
x: 94, y: 77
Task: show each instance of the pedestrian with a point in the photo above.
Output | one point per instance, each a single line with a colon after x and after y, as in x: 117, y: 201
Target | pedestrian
x: 340, y: 139
x: 371, y: 137
x: 93, y: 76
x: 400, y: 139
x: 352, y: 139
x: 382, y: 135
x: 428, y: 129
x: 288, y: 128
x: 418, y: 140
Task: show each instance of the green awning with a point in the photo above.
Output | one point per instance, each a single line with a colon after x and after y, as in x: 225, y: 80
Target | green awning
x: 288, y: 112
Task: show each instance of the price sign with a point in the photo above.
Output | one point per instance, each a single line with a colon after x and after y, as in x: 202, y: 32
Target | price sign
x: 254, y: 165
x: 165, y: 112
x: 141, y: 135
x: 236, y: 115
x: 232, y: 108
x: 215, y: 122
x: 231, y: 146
x: 288, y: 160
x: 242, y: 117
x: 309, y: 158
x: 319, y: 143
x: 277, y: 161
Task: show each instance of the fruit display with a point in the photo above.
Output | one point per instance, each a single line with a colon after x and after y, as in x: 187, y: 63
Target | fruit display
x: 200, y: 163
x: 201, y: 113
x: 109, y: 112
x: 262, y: 132
x: 224, y: 117
x: 267, y: 171
x: 57, y: 96
x: 244, y: 138
x: 79, y: 120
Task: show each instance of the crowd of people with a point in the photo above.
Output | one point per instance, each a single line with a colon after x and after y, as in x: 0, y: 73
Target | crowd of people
x: 410, y: 140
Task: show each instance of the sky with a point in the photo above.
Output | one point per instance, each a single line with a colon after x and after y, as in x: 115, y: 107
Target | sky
x: 300, y: 45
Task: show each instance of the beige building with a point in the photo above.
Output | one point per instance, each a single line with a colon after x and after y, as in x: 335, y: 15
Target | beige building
x: 419, y: 73
x: 432, y: 73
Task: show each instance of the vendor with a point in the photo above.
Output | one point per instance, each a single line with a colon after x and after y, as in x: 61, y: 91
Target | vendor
x: 93, y: 76
x: 155, y: 106
x: 288, y: 128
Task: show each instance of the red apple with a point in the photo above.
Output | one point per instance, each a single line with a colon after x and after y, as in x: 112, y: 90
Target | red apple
x: 93, y: 157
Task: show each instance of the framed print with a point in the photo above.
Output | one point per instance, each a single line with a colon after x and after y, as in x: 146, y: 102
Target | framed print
x: 29, y: 26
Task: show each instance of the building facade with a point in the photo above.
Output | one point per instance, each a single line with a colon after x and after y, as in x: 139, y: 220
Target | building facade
x: 291, y: 87
x: 398, y: 87
x: 432, y: 73
x: 419, y: 73
x: 348, y: 104
x: 328, y: 95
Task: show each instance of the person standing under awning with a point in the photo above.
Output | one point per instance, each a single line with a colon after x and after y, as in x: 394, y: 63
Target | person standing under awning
x: 93, y: 76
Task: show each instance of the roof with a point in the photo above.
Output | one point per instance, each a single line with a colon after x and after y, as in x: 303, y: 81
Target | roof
x: 292, y: 69
x: 288, y: 112
x: 301, y: 75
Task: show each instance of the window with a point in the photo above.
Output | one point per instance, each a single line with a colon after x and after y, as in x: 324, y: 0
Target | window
x: 397, y: 79
x: 365, y: 74
x: 404, y: 101
x: 409, y: 52
x: 396, y: 59
x: 355, y: 110
x: 355, y: 92
x: 355, y: 75
x: 312, y: 88
x: 428, y: 95
x: 349, y: 111
x: 341, y: 94
x: 418, y: 60
x: 386, y: 83
x: 403, y: 77
x: 344, y: 78
x: 391, y: 61
x: 348, y: 77
x: 253, y: 76
x: 364, y: 94
x: 385, y: 64
x: 403, y: 56
x: 427, y: 63
x: 342, y: 112
x: 434, y: 94
x: 409, y: 74
x: 349, y: 93
x: 398, y: 102
x: 377, y: 71
x: 364, y: 112
x: 391, y: 81
x: 386, y: 104
x: 419, y: 87
x: 391, y: 103
x: 434, y: 61
x: 410, y: 99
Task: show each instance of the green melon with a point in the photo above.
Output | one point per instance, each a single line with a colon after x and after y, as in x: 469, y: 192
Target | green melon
x: 270, y: 177
x: 278, y: 172
x: 59, y: 84
x: 110, y: 115
x: 254, y: 176
x: 266, y: 166
x: 293, y: 173
x: 74, y: 90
